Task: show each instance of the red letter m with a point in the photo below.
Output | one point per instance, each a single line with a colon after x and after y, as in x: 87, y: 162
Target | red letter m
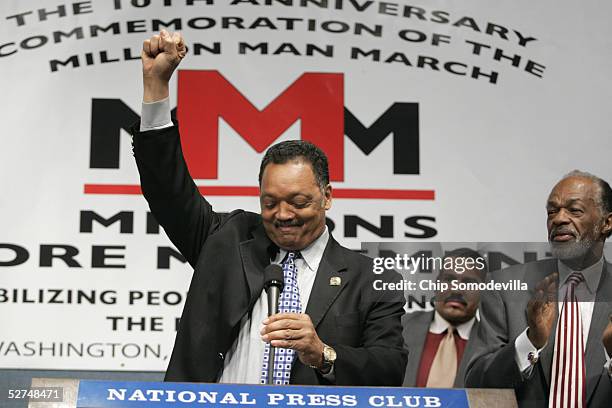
x: 205, y: 96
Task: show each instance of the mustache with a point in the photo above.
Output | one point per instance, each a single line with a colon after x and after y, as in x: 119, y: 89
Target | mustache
x: 456, y: 297
x: 288, y: 223
x: 562, y: 230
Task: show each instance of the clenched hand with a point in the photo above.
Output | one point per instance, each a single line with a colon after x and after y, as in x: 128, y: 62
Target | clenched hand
x: 160, y: 55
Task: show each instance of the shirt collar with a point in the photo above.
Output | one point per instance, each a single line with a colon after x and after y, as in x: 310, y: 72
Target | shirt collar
x: 592, y: 274
x: 439, y: 324
x: 313, y: 253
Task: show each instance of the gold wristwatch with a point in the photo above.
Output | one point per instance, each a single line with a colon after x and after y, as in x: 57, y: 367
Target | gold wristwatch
x: 329, y: 358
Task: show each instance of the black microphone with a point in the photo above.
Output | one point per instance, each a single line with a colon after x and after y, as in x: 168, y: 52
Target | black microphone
x: 273, y: 283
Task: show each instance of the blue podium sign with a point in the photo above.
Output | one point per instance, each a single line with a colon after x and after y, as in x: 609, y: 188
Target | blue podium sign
x: 101, y: 394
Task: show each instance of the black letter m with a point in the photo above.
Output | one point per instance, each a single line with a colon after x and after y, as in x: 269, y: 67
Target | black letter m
x: 401, y: 119
x: 108, y: 117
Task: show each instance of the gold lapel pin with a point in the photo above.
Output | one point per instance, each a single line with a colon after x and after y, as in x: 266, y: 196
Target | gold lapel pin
x: 335, y: 281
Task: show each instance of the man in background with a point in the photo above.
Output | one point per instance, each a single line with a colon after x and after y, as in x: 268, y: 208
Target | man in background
x: 439, y: 341
x: 553, y: 343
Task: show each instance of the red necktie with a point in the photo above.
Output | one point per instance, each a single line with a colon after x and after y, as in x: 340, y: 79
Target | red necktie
x: 568, y: 386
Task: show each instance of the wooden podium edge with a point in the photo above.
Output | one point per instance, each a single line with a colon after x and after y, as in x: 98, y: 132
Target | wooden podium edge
x: 489, y: 397
x: 70, y: 389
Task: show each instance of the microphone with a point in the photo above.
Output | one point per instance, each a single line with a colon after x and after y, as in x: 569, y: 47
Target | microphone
x: 273, y: 283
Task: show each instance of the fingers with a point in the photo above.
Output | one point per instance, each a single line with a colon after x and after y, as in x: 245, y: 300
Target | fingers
x: 546, y: 289
x: 155, y: 45
x: 284, y: 336
x: 288, y: 330
x: 545, y: 283
x: 551, y: 280
x: 288, y: 344
x: 284, y: 324
x: 282, y: 316
x: 165, y: 42
x: 146, y: 47
x: 290, y: 337
x: 540, y: 296
x: 179, y: 43
x: 551, y: 287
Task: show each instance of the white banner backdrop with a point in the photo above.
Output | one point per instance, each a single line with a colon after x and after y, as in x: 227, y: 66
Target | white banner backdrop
x: 464, y: 113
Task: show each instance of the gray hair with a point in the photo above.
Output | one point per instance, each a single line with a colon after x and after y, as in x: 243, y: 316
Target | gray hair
x: 604, y: 198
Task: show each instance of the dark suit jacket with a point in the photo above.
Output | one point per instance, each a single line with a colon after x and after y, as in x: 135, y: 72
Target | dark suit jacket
x: 229, y: 252
x: 416, y: 326
x: 504, y: 318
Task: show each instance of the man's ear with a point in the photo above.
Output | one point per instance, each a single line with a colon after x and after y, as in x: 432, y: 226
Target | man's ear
x: 607, y: 227
x: 327, y: 197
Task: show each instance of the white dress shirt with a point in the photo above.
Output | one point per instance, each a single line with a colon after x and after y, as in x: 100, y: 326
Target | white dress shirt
x: 439, y: 324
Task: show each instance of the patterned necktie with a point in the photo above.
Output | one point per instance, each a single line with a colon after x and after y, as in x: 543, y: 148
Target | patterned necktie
x: 444, y: 366
x: 568, y: 386
x: 289, y: 302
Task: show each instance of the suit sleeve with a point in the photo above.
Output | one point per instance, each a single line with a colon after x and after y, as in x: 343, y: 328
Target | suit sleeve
x: 380, y: 359
x: 172, y: 195
x: 494, y: 363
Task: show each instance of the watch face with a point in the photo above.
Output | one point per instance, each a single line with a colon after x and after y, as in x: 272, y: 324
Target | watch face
x: 329, y: 354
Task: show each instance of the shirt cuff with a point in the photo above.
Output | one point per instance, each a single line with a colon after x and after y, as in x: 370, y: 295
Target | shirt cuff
x: 331, y: 376
x: 155, y: 115
x: 526, y: 355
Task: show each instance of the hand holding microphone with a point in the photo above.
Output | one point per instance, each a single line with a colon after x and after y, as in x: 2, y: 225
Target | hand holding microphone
x: 288, y: 330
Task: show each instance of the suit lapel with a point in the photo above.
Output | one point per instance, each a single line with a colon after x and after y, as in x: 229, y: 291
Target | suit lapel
x: 323, y: 293
x: 415, y: 334
x: 594, y: 353
x: 255, y: 254
x: 467, y: 356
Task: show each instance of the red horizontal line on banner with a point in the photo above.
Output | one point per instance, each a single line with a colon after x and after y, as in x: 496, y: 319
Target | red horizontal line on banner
x: 248, y: 191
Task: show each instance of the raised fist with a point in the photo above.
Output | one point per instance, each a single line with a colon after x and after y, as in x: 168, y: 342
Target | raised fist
x: 160, y: 55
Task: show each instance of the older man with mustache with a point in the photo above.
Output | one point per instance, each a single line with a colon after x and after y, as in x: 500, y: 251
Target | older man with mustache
x: 438, y: 341
x: 553, y: 344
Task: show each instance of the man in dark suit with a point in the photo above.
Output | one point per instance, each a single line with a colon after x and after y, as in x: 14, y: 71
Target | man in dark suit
x: 454, y: 317
x: 347, y: 333
x: 553, y: 343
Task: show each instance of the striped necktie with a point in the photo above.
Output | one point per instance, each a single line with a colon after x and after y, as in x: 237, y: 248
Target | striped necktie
x: 289, y: 302
x: 568, y: 385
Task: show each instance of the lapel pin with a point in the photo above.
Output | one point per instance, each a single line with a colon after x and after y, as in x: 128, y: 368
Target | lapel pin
x: 335, y: 281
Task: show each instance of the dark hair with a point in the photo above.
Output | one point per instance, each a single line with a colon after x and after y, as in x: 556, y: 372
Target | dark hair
x: 471, y: 254
x: 283, y: 152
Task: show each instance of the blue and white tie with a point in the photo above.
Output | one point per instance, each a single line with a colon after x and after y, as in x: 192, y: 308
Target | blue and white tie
x: 289, y: 302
